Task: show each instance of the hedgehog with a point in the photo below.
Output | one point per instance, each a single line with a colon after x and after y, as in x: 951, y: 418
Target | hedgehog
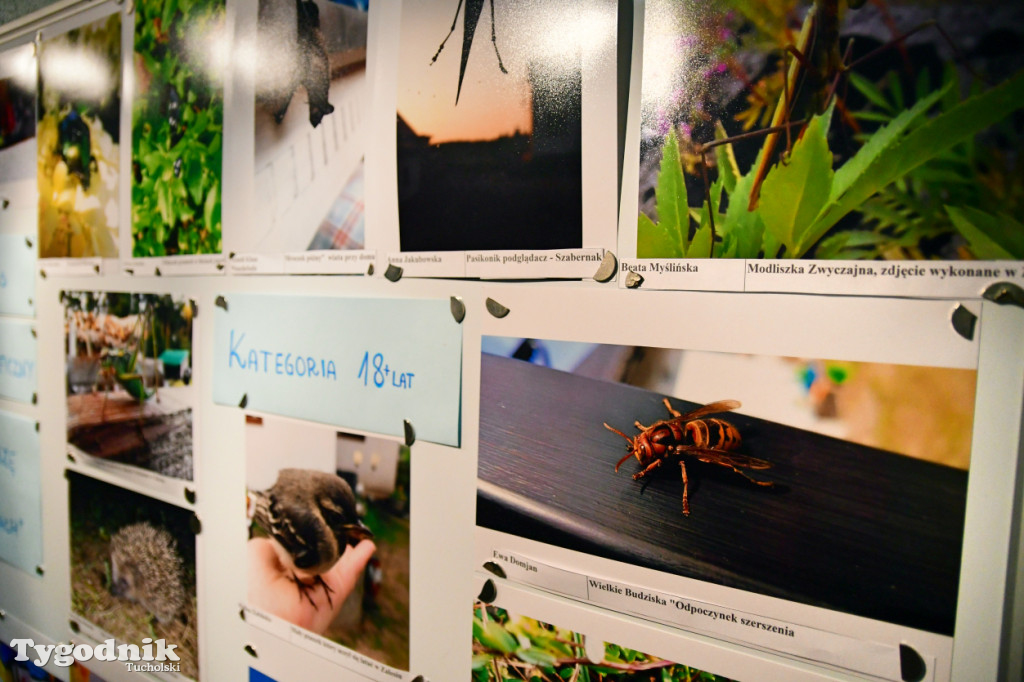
x: 146, y: 568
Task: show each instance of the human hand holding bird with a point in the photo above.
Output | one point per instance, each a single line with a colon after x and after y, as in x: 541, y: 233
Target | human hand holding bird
x: 304, y: 568
x: 272, y: 587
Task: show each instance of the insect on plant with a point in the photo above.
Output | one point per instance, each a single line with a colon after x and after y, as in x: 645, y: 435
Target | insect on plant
x: 470, y: 18
x: 788, y: 201
x: 694, y: 434
x: 121, y: 365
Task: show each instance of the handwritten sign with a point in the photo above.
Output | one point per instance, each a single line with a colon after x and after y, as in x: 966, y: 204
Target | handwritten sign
x: 17, y: 275
x: 367, y: 364
x: 17, y: 361
x: 21, y: 522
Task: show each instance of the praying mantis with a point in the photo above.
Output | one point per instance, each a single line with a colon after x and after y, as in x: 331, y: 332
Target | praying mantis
x: 121, y: 364
x: 786, y: 203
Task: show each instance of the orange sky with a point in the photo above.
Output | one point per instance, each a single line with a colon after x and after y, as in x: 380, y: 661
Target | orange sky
x: 492, y: 104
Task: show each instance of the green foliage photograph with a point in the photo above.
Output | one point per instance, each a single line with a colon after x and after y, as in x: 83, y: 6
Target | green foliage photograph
x: 766, y: 136
x: 507, y: 648
x: 177, y: 127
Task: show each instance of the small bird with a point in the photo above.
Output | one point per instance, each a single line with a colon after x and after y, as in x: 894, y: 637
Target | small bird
x: 310, y: 517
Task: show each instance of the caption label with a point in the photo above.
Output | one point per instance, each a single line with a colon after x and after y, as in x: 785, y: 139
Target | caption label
x: 948, y: 279
x: 873, y: 658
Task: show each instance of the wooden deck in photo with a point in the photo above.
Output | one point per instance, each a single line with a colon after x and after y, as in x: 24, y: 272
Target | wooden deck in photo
x: 846, y: 527
x: 123, y: 424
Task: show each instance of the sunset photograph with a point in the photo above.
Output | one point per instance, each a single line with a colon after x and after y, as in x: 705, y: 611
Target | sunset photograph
x: 489, y: 117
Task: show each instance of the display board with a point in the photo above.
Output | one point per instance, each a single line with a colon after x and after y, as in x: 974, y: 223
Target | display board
x: 440, y: 340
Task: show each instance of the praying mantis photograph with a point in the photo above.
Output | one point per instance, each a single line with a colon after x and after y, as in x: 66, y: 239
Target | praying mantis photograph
x: 838, y: 130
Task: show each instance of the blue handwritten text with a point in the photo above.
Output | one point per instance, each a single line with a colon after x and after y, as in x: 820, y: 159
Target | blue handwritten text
x: 380, y: 373
x: 16, y: 367
x: 7, y: 457
x: 280, y: 363
x: 11, y: 525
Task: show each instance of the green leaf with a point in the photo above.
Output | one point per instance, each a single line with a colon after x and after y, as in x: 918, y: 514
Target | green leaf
x: 951, y: 79
x: 878, y: 143
x: 923, y: 84
x: 163, y: 202
x: 493, y: 636
x: 652, y: 241
x: 673, y: 216
x: 771, y: 246
x: 728, y: 169
x: 896, y: 156
x: 896, y: 89
x: 992, y: 237
x: 212, y: 200
x: 480, y: 660
x: 872, y: 116
x: 742, y: 230
x: 793, y: 193
x: 870, y: 92
x: 536, y: 656
x: 700, y: 247
x: 194, y: 179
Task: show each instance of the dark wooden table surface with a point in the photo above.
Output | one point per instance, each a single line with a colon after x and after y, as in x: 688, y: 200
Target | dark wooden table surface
x: 846, y: 527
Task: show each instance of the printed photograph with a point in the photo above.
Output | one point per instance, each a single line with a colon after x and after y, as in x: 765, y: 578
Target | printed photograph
x: 509, y: 647
x: 79, y: 138
x: 19, y: 79
x: 489, y: 130
x: 832, y: 130
x: 129, y: 379
x: 133, y: 566
x: 311, y: 113
x: 17, y: 111
x: 177, y: 127
x: 328, y: 538
x: 825, y: 482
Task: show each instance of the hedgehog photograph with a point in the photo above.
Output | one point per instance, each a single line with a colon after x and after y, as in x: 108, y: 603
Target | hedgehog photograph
x: 145, y: 568
x: 133, y: 567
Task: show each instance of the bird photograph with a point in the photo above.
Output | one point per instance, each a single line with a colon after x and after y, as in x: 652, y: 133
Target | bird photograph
x: 328, y: 534
x: 310, y: 519
x: 133, y: 567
